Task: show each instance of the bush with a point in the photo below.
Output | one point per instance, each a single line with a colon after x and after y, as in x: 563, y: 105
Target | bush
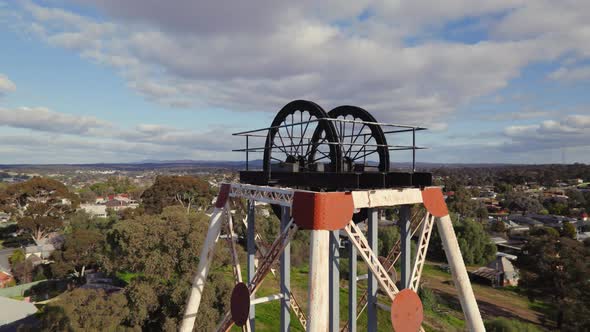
x: 428, y: 298
x: 509, y: 325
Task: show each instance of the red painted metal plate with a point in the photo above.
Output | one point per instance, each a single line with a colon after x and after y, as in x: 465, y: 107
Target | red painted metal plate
x: 406, y: 311
x: 222, y: 196
x: 240, y: 304
x: 318, y: 210
x: 434, y: 201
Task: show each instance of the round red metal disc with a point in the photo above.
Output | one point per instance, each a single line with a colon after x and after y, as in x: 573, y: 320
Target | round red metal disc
x: 240, y: 304
x: 406, y: 311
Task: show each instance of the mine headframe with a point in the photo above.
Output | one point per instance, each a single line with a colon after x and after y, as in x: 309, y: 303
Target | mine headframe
x: 344, y: 149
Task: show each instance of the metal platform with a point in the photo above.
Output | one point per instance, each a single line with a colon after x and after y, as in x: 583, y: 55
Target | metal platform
x: 339, y: 181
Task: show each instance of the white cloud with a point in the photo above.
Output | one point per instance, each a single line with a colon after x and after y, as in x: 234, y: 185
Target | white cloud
x: 6, y: 85
x: 43, y: 119
x: 581, y: 73
x: 394, y: 61
x: 195, y: 54
x: 76, y: 131
x: 570, y: 132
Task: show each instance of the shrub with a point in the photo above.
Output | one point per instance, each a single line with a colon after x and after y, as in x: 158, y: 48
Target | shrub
x: 509, y: 325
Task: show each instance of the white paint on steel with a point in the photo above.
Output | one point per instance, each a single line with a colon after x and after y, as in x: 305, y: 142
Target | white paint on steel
x: 383, y: 306
x: 361, y: 198
x: 265, y: 266
x: 194, y: 300
x: 459, y: 273
x: 386, y: 197
x: 271, y: 195
x: 362, y: 245
x: 421, y: 252
x: 266, y: 299
x: 262, y: 245
x: 318, y: 281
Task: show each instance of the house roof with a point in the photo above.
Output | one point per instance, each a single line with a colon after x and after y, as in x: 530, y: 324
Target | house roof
x: 519, y: 219
x: 485, y: 272
x: 5, y: 276
x: 502, y: 264
x: 14, y: 310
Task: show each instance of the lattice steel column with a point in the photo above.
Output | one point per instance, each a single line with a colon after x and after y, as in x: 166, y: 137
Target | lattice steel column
x: 406, y: 245
x: 251, y: 248
x: 285, y: 281
x: 372, y: 223
x: 334, y: 281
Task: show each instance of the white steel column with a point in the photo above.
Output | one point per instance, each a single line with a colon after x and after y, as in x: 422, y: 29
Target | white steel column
x: 406, y: 245
x: 372, y: 223
x: 352, y: 288
x: 318, y: 281
x: 285, y: 282
x: 459, y: 273
x: 251, y: 248
x: 194, y: 300
x: 335, y: 281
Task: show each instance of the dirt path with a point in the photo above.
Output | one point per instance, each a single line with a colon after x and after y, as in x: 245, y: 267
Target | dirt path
x: 492, y: 302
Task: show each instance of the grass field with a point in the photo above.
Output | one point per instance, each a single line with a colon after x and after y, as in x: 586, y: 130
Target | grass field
x: 446, y: 315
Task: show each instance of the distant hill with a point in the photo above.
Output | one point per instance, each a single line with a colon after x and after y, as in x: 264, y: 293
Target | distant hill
x: 236, y: 165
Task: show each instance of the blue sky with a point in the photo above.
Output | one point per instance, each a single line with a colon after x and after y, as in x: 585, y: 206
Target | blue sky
x: 112, y: 81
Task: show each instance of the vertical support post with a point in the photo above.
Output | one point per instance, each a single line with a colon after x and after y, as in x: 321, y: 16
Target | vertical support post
x: 372, y: 221
x: 247, y: 148
x: 318, y: 296
x: 335, y: 281
x: 352, y: 288
x: 413, y: 149
x: 406, y: 245
x: 459, y: 273
x: 194, y: 300
x: 251, y: 248
x: 285, y: 274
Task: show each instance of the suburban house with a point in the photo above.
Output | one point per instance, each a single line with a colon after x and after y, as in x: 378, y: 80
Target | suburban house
x: 114, y: 202
x: 96, y: 210
x: 499, y: 273
x: 40, y: 253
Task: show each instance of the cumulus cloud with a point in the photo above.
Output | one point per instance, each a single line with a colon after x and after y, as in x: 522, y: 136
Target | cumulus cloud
x: 44, y: 119
x: 261, y: 55
x: 83, y: 134
x: 571, y: 131
x: 6, y: 85
x: 387, y: 57
x: 571, y: 74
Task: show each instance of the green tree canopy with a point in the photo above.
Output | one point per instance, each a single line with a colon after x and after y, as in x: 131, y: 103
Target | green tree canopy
x: 475, y: 244
x: 163, y: 245
x: 556, y: 269
x: 40, y: 205
x: 85, y: 310
x: 569, y: 230
x: 521, y: 202
x: 186, y: 191
x: 82, y: 248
